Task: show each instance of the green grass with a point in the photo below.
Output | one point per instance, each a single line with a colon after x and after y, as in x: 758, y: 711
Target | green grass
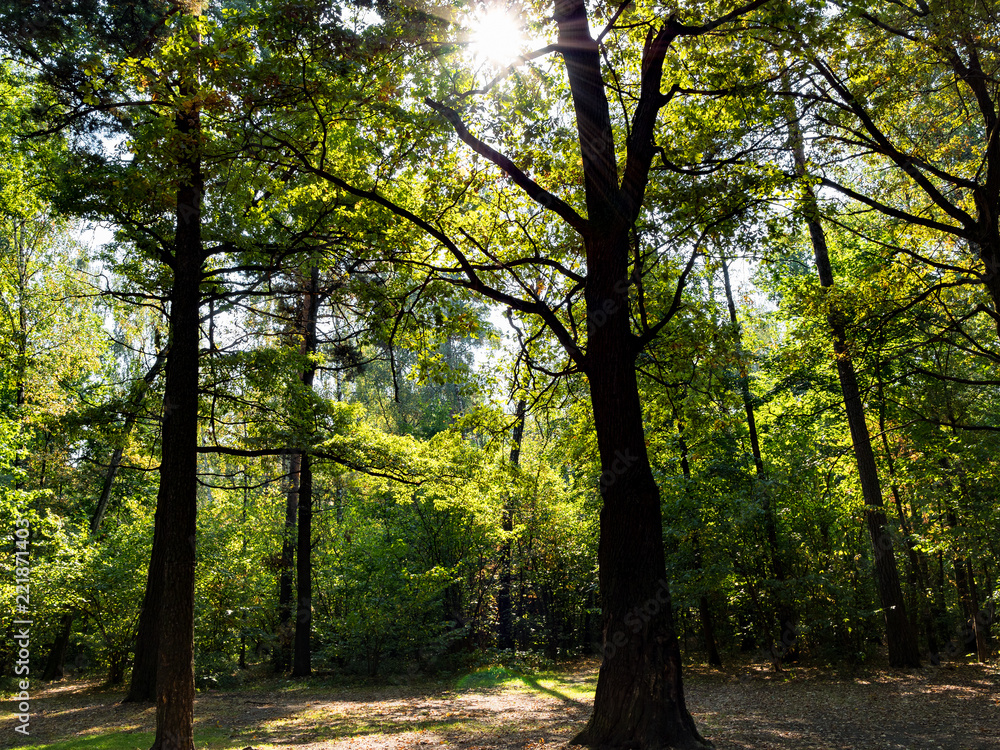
x: 209, y: 739
x: 553, y: 684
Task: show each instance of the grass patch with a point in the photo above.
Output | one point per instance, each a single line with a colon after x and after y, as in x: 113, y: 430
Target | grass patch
x: 568, y: 688
x: 565, y: 688
x: 488, y: 677
x: 209, y: 739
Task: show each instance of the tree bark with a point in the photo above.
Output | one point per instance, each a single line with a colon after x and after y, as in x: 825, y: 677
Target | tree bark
x: 640, y: 697
x: 639, y: 700
x: 302, y: 659
x: 505, y: 629
x: 283, y: 652
x: 176, y: 501
x: 902, y: 643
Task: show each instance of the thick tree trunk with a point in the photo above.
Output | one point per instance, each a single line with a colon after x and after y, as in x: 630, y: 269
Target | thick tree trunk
x: 639, y: 702
x: 640, y: 697
x: 902, y: 642
x: 302, y: 659
x: 176, y: 502
x: 505, y: 629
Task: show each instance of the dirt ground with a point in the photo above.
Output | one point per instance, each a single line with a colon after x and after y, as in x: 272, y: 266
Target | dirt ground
x: 740, y: 708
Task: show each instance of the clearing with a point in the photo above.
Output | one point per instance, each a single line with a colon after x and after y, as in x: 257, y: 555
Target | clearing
x: 742, y: 707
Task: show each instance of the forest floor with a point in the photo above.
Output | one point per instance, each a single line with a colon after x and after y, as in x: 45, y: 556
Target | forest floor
x: 742, y: 707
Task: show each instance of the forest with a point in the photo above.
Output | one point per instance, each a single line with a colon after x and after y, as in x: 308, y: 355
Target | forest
x: 374, y: 342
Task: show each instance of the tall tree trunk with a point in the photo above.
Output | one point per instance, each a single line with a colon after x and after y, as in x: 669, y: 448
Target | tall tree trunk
x: 176, y: 501
x: 302, y: 659
x: 21, y: 357
x: 639, y: 700
x: 640, y: 696
x: 283, y: 651
x: 902, y: 643
x: 785, y: 611
x: 505, y: 629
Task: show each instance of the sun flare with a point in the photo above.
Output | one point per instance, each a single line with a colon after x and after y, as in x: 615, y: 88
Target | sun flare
x: 497, y: 36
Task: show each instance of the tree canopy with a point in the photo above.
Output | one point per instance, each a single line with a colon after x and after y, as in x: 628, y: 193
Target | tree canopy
x: 420, y: 335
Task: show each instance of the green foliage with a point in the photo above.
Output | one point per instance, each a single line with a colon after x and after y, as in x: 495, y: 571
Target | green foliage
x: 375, y: 605
x: 111, y: 586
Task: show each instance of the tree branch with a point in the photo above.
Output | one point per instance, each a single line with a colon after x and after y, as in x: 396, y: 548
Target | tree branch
x: 895, y: 212
x: 260, y: 452
x: 472, y: 280
x: 901, y: 160
x: 535, y: 191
